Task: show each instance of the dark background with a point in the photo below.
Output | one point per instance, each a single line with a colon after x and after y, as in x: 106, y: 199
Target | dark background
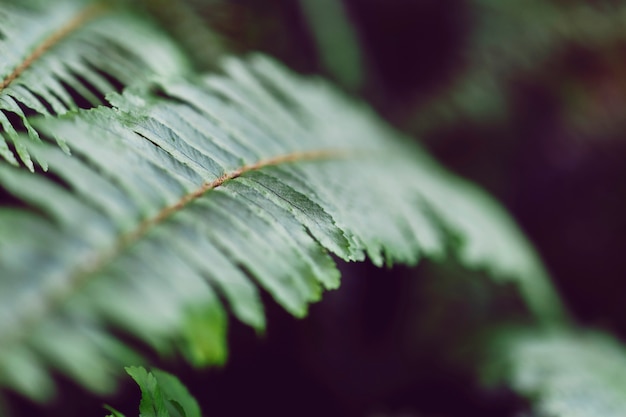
x: 551, y: 149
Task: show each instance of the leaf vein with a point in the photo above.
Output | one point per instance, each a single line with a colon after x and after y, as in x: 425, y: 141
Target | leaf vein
x: 97, y: 263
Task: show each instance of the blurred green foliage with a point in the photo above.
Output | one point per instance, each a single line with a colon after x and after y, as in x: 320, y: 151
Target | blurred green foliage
x: 528, y: 98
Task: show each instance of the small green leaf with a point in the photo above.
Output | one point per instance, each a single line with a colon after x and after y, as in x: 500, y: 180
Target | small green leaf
x: 204, y: 334
x: 175, y: 392
x: 162, y: 395
x: 152, y: 400
x: 114, y: 412
x: 336, y: 40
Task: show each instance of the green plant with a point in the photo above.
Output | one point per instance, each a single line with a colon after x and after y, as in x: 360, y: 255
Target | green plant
x: 163, y: 198
x: 162, y: 395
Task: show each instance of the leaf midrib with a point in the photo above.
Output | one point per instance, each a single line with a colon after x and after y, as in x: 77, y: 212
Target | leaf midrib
x: 81, y: 275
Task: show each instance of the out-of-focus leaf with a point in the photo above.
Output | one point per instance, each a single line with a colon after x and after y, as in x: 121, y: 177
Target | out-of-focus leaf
x: 564, y: 374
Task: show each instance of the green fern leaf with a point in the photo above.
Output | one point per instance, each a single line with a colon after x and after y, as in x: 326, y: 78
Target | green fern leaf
x: 163, y: 395
x: 153, y: 402
x: 565, y: 374
x: 62, y: 51
x: 177, y: 394
x: 190, y: 194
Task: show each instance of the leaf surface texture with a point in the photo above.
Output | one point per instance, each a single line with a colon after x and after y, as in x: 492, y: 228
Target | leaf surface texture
x: 188, y: 195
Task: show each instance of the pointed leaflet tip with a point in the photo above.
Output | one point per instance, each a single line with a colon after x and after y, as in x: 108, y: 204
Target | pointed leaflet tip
x: 152, y: 402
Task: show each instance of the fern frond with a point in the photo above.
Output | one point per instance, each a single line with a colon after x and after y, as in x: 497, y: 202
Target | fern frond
x: 191, y: 194
x: 60, y: 52
x: 565, y: 374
